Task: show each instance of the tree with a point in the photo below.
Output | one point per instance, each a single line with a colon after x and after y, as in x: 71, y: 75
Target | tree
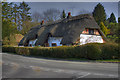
x: 36, y: 17
x: 99, y: 13
x: 113, y: 28
x: 8, y: 28
x: 112, y: 18
x: 104, y: 28
x: 119, y: 20
x: 118, y: 31
x: 63, y: 14
x: 0, y: 22
x: 16, y: 13
x: 51, y: 15
x: 28, y: 25
x: 5, y: 10
x: 12, y: 12
x: 16, y: 16
x: 25, y: 16
x: 10, y: 6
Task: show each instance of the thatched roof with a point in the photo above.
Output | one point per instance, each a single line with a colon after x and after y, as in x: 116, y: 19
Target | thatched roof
x: 68, y: 28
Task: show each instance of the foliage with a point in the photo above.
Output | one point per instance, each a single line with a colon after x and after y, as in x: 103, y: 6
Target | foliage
x: 89, y: 51
x: 99, y: 13
x: 112, y: 18
x: 7, y: 10
x: 25, y: 17
x: 8, y: 28
x: 63, y: 14
x: 118, y: 31
x: 0, y: 23
x: 92, y: 51
x: 25, y: 14
x: 119, y: 19
x: 10, y: 41
x: 104, y: 28
x: 113, y: 28
x: 110, y: 51
x: 113, y: 36
x: 27, y: 26
x: 18, y: 14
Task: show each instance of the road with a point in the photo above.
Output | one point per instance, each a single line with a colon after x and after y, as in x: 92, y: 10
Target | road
x: 16, y: 66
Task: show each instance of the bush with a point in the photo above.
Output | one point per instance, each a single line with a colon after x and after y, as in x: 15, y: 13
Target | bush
x: 109, y: 51
x: 22, y: 50
x: 90, y: 51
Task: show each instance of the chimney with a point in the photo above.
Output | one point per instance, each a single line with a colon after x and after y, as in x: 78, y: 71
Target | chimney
x: 42, y: 22
x: 69, y: 15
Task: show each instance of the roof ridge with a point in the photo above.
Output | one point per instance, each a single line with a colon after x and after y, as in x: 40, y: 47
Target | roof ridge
x: 64, y: 19
x: 71, y: 18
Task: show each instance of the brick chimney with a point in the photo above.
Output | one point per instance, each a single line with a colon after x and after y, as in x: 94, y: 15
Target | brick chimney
x: 69, y: 15
x: 42, y: 22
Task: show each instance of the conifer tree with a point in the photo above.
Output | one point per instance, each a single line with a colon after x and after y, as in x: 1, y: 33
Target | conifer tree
x: 25, y: 14
x: 112, y: 18
x: 99, y: 13
x: 5, y: 10
x: 63, y: 14
x: 25, y: 17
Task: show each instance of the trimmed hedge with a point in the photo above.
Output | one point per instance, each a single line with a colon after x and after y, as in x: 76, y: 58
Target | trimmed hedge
x: 90, y: 51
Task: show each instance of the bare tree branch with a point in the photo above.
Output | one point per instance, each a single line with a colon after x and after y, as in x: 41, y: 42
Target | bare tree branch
x: 84, y: 12
x: 37, y: 17
x: 51, y: 15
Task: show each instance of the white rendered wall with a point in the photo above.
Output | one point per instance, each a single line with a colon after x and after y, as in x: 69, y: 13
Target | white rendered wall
x: 56, y: 40
x: 90, y: 39
x: 32, y: 42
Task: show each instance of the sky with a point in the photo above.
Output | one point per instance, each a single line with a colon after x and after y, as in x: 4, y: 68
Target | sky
x: 74, y: 7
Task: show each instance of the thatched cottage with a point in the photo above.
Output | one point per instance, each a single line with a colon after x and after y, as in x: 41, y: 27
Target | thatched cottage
x: 76, y: 30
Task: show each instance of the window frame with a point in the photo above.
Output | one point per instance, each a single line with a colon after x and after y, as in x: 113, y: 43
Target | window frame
x: 55, y: 44
x: 91, y: 31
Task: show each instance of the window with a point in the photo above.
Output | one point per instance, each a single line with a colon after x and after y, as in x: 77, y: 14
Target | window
x: 91, y: 31
x: 54, y: 44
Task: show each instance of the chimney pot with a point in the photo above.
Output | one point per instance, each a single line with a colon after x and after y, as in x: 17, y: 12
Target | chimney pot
x: 42, y: 22
x: 69, y: 14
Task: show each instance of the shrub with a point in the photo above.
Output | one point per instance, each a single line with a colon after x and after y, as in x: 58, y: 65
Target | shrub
x: 22, y: 50
x: 109, y: 51
x: 90, y: 51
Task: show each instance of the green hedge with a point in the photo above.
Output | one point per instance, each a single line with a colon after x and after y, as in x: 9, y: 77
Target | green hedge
x: 90, y: 51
